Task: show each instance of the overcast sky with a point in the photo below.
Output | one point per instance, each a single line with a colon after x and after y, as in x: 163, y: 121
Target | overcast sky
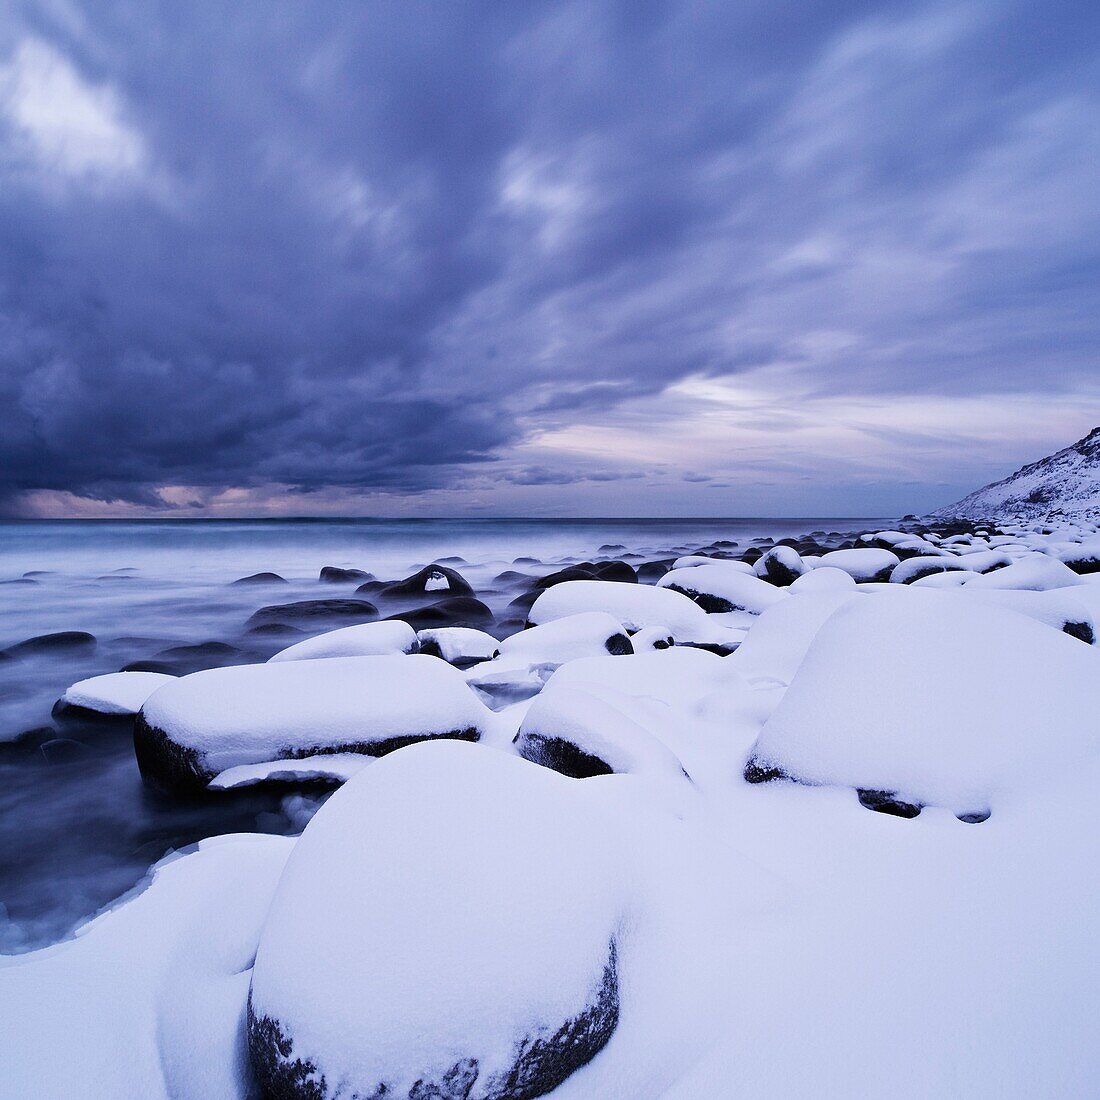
x: 733, y: 258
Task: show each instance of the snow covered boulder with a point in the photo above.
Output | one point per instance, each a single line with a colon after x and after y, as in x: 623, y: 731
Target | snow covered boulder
x: 200, y: 725
x: 701, y: 559
x: 364, y: 640
x: 1084, y: 557
x: 1034, y: 573
x: 930, y: 698
x: 1057, y: 607
x: 781, y: 566
x: 863, y: 563
x: 914, y: 569
x: 581, y: 732
x: 823, y: 578
x: 446, y: 927
x: 587, y: 634
x: 115, y: 692
x: 636, y: 606
x: 718, y: 588
x: 458, y: 645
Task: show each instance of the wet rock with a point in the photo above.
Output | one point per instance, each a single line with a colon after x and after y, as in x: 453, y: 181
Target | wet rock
x: 453, y: 611
x: 333, y: 574
x: 64, y: 641
x: 432, y: 578
x: 307, y: 613
x: 261, y: 578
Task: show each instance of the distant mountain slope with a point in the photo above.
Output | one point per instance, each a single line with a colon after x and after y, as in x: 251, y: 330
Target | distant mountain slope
x: 1063, y: 485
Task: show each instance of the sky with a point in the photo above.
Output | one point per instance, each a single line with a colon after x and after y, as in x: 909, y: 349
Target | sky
x: 593, y: 258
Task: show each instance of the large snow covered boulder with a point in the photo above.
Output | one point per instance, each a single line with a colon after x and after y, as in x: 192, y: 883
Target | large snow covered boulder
x: 863, y: 563
x: 458, y: 645
x: 636, y: 606
x: 115, y: 692
x: 926, y: 565
x: 718, y: 588
x: 196, y: 727
x: 446, y: 927
x: 781, y: 565
x: 363, y: 640
x: 823, y: 578
x: 1034, y: 573
x: 586, y: 634
x: 930, y: 698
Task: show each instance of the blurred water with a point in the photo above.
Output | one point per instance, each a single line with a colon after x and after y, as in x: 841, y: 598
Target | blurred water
x: 76, y: 826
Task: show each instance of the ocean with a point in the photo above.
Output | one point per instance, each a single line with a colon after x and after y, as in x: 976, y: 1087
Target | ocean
x: 77, y: 827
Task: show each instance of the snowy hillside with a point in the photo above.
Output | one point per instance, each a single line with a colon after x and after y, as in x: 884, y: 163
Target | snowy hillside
x: 1063, y: 485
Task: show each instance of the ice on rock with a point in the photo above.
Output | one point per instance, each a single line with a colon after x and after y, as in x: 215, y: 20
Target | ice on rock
x: 934, y: 698
x: 863, y: 563
x: 115, y: 692
x: 446, y: 926
x: 718, y: 588
x: 458, y: 645
x: 363, y: 640
x: 635, y: 606
x: 1035, y: 573
x: 588, y: 730
x: 202, y: 724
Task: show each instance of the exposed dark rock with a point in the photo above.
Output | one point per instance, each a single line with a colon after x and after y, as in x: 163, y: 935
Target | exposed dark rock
x: 652, y: 571
x: 261, y: 578
x: 887, y: 802
x: 333, y: 574
x: 452, y: 611
x: 64, y: 641
x: 1082, y: 631
x: 616, y: 571
x: 317, y: 612
x: 569, y: 573
x: 611, y: 548
x: 418, y: 583
x: 757, y: 771
x: 265, y: 630
x: 561, y: 755
x: 619, y: 645
x: 975, y: 817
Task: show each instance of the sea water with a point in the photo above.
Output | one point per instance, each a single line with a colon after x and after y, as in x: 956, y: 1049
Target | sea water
x: 77, y: 826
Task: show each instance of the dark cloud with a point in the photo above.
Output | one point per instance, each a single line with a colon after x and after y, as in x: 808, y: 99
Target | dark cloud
x: 372, y: 245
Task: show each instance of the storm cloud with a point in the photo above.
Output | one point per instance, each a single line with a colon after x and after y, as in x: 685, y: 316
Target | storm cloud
x: 411, y: 248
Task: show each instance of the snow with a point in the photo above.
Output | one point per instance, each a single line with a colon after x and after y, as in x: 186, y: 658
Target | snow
x: 823, y: 578
x: 946, y: 701
x: 362, y: 640
x: 597, y: 720
x: 148, y: 999
x: 115, y: 692
x: 336, y: 766
x: 1065, y: 485
x: 636, y: 606
x: 459, y: 643
x: 863, y: 563
x: 458, y: 860
x: 1036, y: 573
x: 248, y: 714
x: 913, y: 569
x: 701, y: 559
x: 723, y: 588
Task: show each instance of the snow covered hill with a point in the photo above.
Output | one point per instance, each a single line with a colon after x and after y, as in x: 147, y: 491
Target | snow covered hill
x: 1065, y: 485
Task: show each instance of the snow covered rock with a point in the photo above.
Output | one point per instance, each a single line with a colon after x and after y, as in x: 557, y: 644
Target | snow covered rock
x: 635, y: 606
x: 202, y: 724
x: 717, y: 588
x: 689, y: 560
x: 781, y: 566
x: 863, y: 563
x: 914, y: 569
x: 823, y: 578
x: 458, y: 645
x: 115, y: 692
x: 1083, y: 557
x: 586, y: 634
x: 337, y: 767
x: 930, y: 698
x: 363, y: 640
x: 580, y: 732
x: 1035, y: 573
x: 1057, y: 607
x: 446, y: 927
